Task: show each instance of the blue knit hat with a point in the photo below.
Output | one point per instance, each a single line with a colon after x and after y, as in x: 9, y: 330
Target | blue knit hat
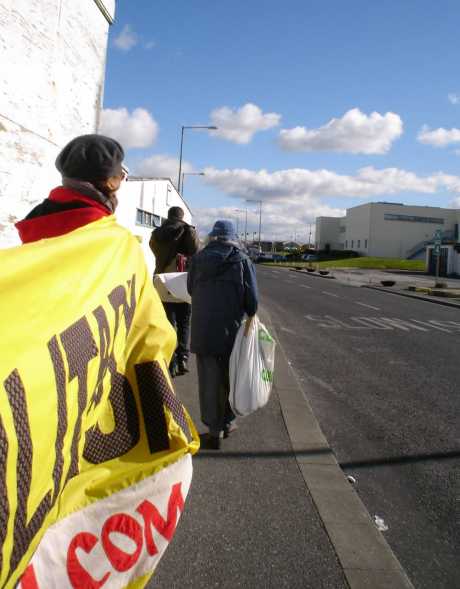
x: 224, y: 230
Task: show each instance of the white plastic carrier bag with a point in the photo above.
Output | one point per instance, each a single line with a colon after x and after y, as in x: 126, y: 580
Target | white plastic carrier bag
x: 251, y: 367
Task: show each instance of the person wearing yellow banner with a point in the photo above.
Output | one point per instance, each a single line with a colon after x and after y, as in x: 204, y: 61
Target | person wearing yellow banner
x: 93, y: 441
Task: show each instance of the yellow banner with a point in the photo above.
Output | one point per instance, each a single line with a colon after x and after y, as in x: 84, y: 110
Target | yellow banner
x: 87, y: 412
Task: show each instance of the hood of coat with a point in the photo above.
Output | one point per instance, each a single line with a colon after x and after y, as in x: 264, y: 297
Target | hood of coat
x: 216, y: 257
x: 171, y: 230
x: 62, y: 212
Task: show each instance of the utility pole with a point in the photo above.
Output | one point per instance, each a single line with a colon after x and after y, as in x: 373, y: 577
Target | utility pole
x: 246, y: 228
x: 260, y: 221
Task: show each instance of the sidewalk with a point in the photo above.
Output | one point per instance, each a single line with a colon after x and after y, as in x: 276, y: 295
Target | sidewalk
x: 272, y: 508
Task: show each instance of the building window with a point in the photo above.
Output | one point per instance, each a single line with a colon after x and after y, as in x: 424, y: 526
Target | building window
x: 346, y: 244
x: 147, y: 219
x: 456, y: 231
x: 352, y: 243
x: 413, y: 219
x: 365, y: 244
x: 359, y: 243
x: 343, y: 229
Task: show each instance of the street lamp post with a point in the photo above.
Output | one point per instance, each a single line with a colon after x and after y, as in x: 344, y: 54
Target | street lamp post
x: 189, y: 174
x: 211, y: 128
x: 260, y: 215
x: 238, y: 220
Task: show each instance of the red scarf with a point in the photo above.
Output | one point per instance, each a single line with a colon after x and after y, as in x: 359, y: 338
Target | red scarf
x: 60, y: 223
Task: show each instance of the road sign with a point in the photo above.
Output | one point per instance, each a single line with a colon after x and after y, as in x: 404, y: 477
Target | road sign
x: 438, y: 237
x: 437, y: 249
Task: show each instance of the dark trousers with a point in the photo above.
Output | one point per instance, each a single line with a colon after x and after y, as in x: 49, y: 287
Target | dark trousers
x: 214, y: 387
x: 179, y: 316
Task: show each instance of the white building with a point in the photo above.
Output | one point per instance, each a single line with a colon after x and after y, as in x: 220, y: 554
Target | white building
x: 388, y: 230
x: 52, y: 72
x: 143, y: 204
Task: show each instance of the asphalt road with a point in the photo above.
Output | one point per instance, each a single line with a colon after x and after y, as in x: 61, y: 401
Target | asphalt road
x: 382, y: 374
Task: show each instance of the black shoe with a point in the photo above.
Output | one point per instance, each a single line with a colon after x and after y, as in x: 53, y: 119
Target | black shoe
x: 182, y: 366
x: 229, y: 428
x: 173, y: 371
x: 208, y: 442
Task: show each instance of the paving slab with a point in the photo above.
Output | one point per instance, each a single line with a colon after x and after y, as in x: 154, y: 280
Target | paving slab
x: 249, y: 520
x: 272, y: 508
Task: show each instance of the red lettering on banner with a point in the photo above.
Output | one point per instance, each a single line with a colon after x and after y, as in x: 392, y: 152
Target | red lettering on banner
x: 125, y: 524
x: 128, y: 526
x: 78, y: 576
x: 28, y: 579
x: 152, y: 517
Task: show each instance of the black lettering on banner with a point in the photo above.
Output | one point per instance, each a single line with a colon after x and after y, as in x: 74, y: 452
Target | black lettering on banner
x: 100, y: 447
x: 24, y: 529
x: 104, y: 351
x: 4, y: 503
x: 80, y: 348
x: 155, y: 393
x: 59, y: 375
x: 118, y: 298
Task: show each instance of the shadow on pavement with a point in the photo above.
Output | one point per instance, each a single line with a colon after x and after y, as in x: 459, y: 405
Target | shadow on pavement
x: 410, y: 459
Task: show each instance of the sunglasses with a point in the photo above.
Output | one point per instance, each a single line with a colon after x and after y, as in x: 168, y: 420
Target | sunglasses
x: 124, y: 173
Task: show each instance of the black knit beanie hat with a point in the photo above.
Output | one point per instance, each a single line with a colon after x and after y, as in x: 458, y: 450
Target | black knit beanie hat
x: 91, y: 157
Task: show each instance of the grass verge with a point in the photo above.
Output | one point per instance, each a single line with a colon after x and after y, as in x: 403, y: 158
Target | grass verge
x: 368, y: 262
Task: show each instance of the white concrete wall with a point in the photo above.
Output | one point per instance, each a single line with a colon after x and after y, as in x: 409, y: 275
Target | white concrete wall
x: 152, y: 196
x: 456, y: 263
x: 385, y: 238
x: 328, y: 232
x: 53, y: 56
x: 358, y: 229
x: 395, y: 239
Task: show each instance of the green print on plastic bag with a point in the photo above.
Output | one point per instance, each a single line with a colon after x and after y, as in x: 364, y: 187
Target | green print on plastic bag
x: 267, y: 375
x: 265, y: 336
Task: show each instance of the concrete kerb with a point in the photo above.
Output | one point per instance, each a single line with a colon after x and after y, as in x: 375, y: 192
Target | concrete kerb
x: 367, y: 560
x: 436, y: 301
x: 327, y: 276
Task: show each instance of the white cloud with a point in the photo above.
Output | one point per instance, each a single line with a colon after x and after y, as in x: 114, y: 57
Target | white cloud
x: 150, y: 45
x: 453, y: 98
x: 355, y: 132
x: 162, y: 166
x: 438, y: 137
x: 455, y: 203
x: 138, y: 129
x: 126, y: 39
x: 240, y: 125
x: 279, y: 221
x: 284, y: 185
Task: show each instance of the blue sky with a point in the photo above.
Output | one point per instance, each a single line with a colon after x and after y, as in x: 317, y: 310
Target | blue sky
x: 301, y: 64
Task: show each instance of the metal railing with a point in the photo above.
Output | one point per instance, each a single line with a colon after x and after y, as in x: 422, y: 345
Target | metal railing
x: 446, y: 235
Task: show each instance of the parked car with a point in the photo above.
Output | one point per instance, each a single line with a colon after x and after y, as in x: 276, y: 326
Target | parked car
x: 310, y: 258
x: 264, y: 257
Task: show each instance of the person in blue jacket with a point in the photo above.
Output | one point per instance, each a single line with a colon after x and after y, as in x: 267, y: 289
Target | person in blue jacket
x: 222, y: 283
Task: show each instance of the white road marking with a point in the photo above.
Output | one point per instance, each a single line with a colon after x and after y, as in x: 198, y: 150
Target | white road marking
x: 331, y: 294
x: 368, y: 306
x: 383, y: 323
x: 345, y: 325
x: 431, y: 324
x: 287, y: 330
